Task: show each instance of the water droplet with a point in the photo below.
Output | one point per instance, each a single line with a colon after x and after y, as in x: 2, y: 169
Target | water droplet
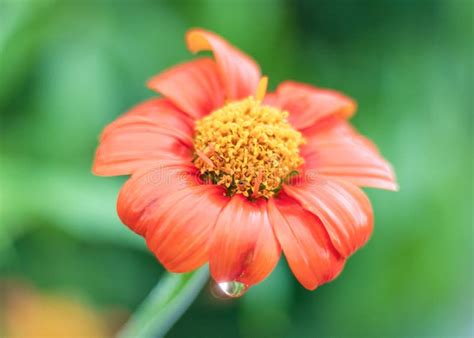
x: 232, y: 289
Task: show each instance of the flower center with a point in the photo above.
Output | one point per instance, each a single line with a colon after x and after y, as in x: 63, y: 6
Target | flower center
x: 248, y: 148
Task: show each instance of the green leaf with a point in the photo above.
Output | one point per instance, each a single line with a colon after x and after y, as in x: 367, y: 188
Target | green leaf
x: 165, y: 304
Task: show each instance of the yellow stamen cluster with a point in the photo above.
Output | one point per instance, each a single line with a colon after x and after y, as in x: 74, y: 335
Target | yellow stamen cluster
x: 247, y: 147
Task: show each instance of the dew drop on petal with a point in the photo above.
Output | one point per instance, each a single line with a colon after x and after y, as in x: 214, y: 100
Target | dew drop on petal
x: 232, y: 289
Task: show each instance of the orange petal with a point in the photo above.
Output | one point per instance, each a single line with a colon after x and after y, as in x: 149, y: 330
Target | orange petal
x: 146, y: 188
x: 271, y: 99
x: 343, y: 208
x: 151, y: 132
x: 307, y: 104
x: 305, y: 242
x: 337, y: 150
x: 239, y: 73
x: 165, y: 111
x: 194, y: 87
x: 243, y: 247
x: 179, y: 227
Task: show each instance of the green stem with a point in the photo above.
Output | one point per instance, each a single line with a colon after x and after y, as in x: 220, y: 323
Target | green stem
x: 165, y: 304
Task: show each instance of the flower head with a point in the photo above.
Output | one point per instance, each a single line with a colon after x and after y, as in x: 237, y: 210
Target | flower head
x: 225, y: 173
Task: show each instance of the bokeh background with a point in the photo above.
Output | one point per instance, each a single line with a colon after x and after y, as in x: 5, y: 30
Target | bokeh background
x: 67, y: 68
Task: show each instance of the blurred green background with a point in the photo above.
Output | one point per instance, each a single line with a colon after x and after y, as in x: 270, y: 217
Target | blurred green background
x: 67, y: 68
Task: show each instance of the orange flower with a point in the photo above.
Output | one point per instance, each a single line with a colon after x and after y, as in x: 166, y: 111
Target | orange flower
x: 225, y: 173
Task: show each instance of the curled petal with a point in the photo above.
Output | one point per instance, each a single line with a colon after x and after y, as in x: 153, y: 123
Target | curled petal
x: 307, y: 104
x: 243, y: 247
x: 344, y: 210
x: 194, y: 87
x: 146, y: 188
x: 305, y: 243
x: 239, y: 73
x: 149, y: 133
x: 180, y: 226
x: 337, y: 150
